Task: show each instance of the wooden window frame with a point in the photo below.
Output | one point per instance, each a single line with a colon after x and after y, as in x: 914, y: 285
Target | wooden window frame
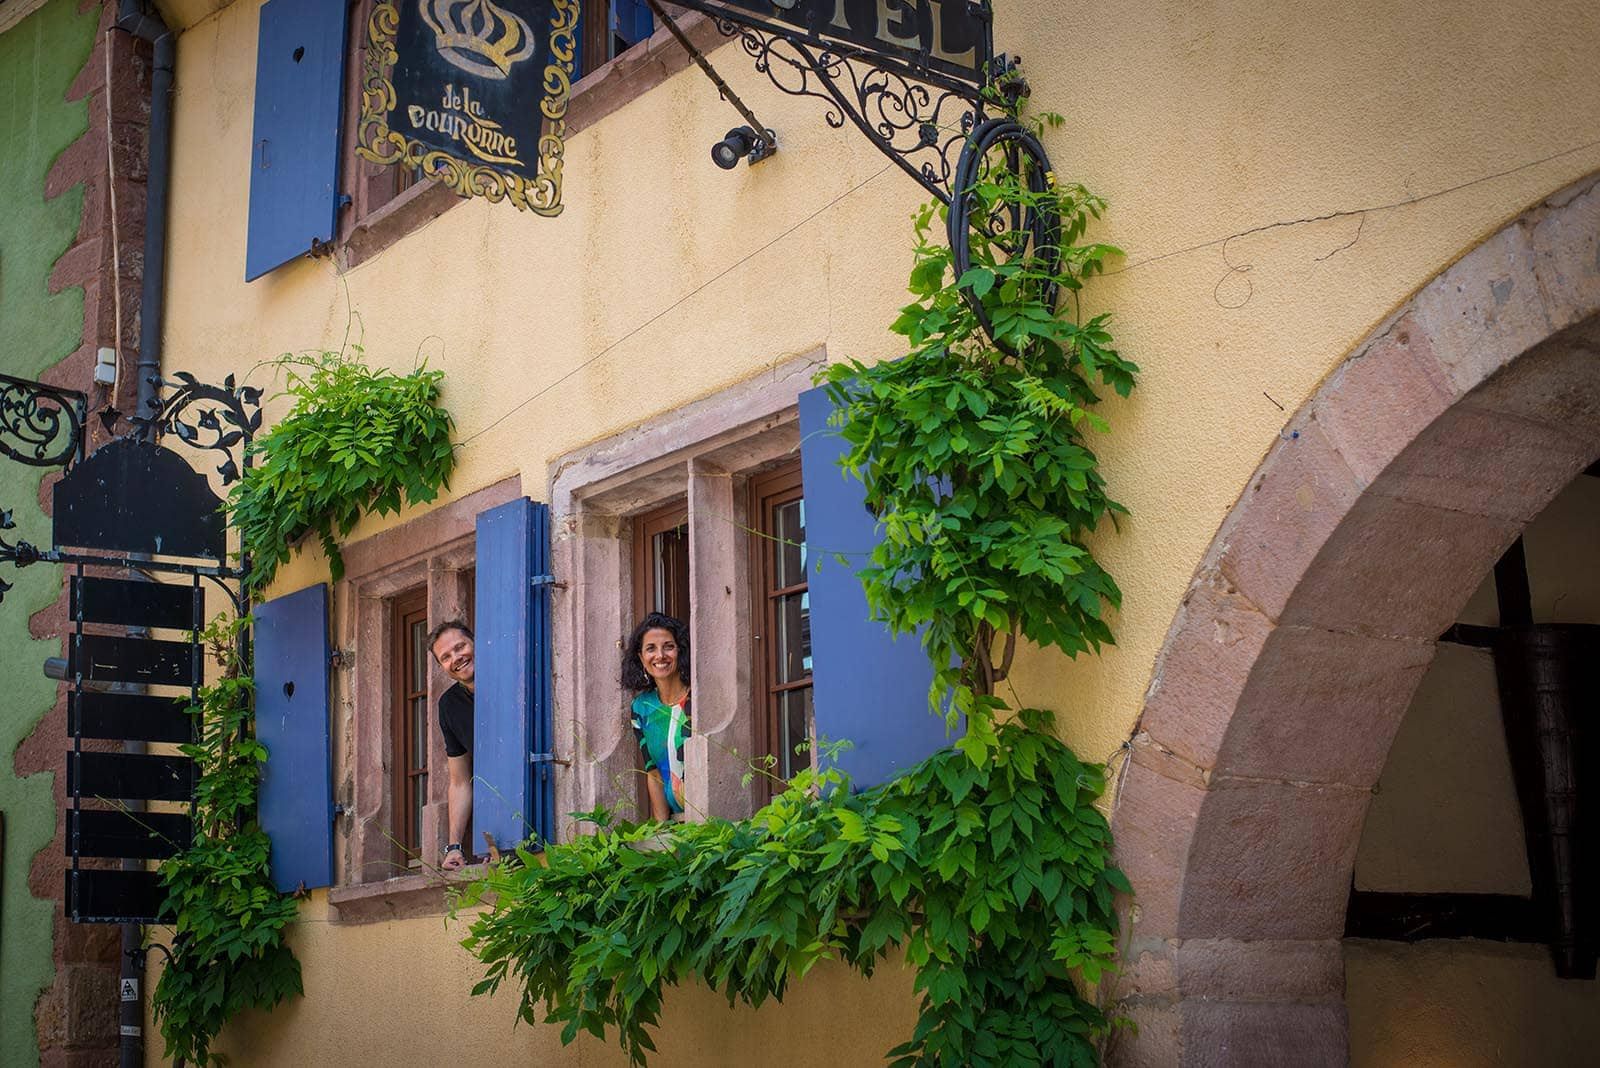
x: 645, y: 529
x: 767, y: 491
x: 410, y: 775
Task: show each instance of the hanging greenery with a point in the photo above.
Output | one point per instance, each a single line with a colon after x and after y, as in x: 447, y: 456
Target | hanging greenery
x: 356, y: 440
x: 994, y: 879
x: 987, y: 865
x: 228, y: 950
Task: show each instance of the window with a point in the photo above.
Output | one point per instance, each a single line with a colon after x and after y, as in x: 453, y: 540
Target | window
x: 410, y: 721
x: 781, y: 610
x: 398, y: 584
x: 662, y: 516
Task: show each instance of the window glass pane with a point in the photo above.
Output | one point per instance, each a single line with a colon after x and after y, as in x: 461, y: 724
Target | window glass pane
x: 793, y: 637
x: 788, y: 550
x: 419, y: 732
x: 421, y: 792
x: 794, y: 728
x: 419, y: 655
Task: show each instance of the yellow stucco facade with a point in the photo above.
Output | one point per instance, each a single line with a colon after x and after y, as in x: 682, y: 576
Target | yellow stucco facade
x: 1281, y: 176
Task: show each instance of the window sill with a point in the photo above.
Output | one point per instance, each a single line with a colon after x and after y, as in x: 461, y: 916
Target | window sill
x: 595, y: 96
x: 404, y: 897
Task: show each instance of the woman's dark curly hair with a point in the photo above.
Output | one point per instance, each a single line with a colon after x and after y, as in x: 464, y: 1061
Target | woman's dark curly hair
x: 634, y: 676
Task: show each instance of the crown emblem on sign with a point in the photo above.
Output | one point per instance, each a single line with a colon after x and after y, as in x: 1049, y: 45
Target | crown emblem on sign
x: 478, y: 36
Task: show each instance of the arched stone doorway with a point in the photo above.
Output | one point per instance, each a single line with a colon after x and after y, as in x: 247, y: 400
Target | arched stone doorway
x: 1310, y: 623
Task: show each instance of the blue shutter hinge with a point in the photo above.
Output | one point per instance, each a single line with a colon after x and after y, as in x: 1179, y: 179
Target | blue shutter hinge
x: 548, y: 580
x: 339, y: 810
x: 548, y: 758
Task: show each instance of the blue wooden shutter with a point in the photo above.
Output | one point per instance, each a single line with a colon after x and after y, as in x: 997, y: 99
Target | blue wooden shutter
x: 513, y: 789
x: 294, y: 149
x: 870, y: 688
x: 291, y: 674
x: 631, y: 21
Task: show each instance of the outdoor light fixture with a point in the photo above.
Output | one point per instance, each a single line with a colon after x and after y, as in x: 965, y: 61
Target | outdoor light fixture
x: 742, y: 143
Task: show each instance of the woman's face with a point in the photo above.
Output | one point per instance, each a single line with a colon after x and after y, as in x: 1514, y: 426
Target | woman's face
x: 658, y: 652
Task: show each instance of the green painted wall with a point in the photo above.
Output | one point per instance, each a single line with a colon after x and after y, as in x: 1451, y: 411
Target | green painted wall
x: 39, y: 57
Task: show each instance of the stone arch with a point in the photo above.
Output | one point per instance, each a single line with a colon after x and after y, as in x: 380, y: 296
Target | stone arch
x: 1310, y: 623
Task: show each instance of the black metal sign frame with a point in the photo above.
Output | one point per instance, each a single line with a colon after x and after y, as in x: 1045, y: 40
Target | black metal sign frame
x: 108, y: 674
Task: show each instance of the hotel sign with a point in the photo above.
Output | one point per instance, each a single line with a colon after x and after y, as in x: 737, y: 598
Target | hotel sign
x: 950, y: 37
x: 473, y: 93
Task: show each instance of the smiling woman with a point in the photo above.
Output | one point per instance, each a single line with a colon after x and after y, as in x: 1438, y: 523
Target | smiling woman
x: 656, y: 667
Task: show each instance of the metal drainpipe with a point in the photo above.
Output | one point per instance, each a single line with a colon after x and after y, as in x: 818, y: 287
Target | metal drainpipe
x: 148, y: 26
x: 133, y: 18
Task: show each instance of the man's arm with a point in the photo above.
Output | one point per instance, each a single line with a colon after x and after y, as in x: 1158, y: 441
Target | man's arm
x: 460, y: 807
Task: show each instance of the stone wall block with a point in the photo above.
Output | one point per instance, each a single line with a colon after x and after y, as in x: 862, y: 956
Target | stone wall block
x: 1217, y: 636
x: 1264, y: 1035
x: 1399, y: 569
x: 1152, y: 827
x: 1231, y: 970
x: 1485, y: 310
x: 1566, y: 257
x: 1487, y: 463
x: 1271, y: 860
x: 1383, y: 397
x: 92, y: 1005
x: 1323, y: 706
x: 1299, y: 494
x: 1557, y: 384
x: 79, y: 265
x: 1151, y: 1039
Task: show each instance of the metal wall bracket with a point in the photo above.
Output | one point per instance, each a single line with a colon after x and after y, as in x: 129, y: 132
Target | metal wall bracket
x: 916, y: 115
x: 41, y: 425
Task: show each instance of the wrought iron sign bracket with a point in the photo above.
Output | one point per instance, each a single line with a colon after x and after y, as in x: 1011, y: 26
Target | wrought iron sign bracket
x: 918, y: 115
x: 41, y: 425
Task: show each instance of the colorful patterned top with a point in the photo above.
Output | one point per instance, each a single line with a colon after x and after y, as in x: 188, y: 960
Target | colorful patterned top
x: 661, y: 730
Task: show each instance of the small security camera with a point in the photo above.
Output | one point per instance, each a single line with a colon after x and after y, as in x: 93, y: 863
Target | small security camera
x: 741, y: 143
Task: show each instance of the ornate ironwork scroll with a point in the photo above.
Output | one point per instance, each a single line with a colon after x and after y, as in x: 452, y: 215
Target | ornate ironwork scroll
x: 488, y: 176
x: 40, y: 425
x: 225, y: 419
x: 919, y: 120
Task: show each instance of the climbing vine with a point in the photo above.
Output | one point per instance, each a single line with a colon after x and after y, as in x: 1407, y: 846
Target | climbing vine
x: 356, y: 440
x: 228, y: 951
x: 973, y: 449
x: 988, y: 864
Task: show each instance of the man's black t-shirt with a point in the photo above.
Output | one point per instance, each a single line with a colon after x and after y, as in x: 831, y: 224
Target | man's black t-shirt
x: 455, y: 720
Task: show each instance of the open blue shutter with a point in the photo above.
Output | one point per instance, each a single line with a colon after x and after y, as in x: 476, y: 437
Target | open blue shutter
x: 870, y: 688
x: 291, y: 675
x: 513, y: 790
x: 294, y: 149
x: 631, y: 20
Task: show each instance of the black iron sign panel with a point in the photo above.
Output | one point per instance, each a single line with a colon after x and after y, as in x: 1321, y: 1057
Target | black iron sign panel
x: 472, y: 92
x: 947, y: 36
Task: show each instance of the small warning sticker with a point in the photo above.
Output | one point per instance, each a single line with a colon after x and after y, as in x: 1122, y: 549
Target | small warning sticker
x: 131, y: 1030
x: 130, y: 990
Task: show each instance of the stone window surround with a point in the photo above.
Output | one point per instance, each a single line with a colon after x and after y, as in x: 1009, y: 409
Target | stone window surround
x: 703, y: 453
x: 436, y: 550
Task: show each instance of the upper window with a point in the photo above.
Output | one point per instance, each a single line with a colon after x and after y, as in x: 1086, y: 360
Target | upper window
x: 606, y: 29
